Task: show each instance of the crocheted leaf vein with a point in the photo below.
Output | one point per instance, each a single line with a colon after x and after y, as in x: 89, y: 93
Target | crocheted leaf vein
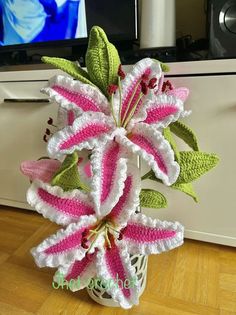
x: 68, y: 176
x: 102, y: 60
x: 185, y: 133
x: 152, y: 199
x: 194, y: 164
x: 69, y: 67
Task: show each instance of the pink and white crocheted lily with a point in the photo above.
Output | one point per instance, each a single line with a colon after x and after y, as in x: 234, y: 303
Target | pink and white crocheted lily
x: 132, y: 117
x: 97, y: 244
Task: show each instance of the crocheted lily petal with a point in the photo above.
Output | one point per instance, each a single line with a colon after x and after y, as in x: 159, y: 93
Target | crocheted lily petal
x: 78, y: 274
x: 129, y: 199
x: 181, y: 93
x: 42, y: 169
x: 66, y: 117
x: 144, y: 70
x: 64, y: 247
x: 109, y: 174
x: 87, y: 131
x: 114, y: 264
x: 144, y: 235
x: 72, y: 94
x: 163, y: 110
x: 59, y: 206
x: 154, y: 149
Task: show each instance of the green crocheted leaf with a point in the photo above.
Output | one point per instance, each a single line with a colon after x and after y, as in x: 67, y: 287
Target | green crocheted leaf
x: 168, y: 136
x: 187, y: 189
x: 69, y: 67
x: 164, y: 66
x: 194, y: 164
x: 68, y: 176
x: 102, y: 60
x: 185, y: 133
x: 152, y: 199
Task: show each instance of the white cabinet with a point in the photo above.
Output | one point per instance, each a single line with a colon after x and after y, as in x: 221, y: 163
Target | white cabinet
x: 213, y: 102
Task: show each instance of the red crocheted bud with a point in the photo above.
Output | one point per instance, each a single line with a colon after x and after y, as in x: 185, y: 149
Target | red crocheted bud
x: 144, y: 87
x: 112, y: 89
x: 152, y: 83
x: 84, y: 243
x: 45, y: 138
x: 50, y: 121
x: 167, y: 86
x: 145, y: 77
x: 121, y: 73
x: 48, y: 132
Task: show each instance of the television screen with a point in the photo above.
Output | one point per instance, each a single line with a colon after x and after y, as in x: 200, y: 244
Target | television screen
x: 32, y: 21
x: 41, y: 21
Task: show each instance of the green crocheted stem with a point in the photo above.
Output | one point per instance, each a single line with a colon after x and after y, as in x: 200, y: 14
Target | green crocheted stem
x: 168, y: 136
x: 68, y: 176
x: 152, y: 199
x: 102, y: 60
x: 194, y: 164
x: 69, y: 67
x: 187, y: 189
x: 185, y: 133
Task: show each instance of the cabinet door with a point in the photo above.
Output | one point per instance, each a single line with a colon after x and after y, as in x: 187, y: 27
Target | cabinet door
x: 22, y: 126
x: 213, y: 104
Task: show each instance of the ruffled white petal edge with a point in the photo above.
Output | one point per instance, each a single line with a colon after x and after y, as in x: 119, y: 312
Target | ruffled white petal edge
x: 67, y: 257
x: 136, y: 71
x: 90, y: 92
x: 62, y: 117
x: 115, y: 292
x: 86, y: 119
x: 132, y: 201
x: 161, y: 145
x: 50, y: 212
x: 82, y: 280
x: 161, y: 99
x: 97, y: 179
x: 156, y: 247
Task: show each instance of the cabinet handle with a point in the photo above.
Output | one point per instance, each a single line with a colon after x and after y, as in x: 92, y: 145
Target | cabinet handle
x: 26, y: 100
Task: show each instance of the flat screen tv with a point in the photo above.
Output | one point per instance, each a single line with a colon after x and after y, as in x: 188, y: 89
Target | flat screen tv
x: 26, y: 24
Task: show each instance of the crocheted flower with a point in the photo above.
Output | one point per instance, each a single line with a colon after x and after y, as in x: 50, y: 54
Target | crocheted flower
x: 96, y: 244
x: 132, y: 117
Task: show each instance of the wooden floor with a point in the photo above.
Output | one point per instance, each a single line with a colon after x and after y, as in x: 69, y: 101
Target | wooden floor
x: 198, y: 278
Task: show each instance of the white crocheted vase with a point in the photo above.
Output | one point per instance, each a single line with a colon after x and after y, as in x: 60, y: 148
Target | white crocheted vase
x: 100, y: 295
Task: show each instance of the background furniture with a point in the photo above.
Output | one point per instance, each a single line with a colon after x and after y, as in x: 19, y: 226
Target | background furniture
x: 213, y: 102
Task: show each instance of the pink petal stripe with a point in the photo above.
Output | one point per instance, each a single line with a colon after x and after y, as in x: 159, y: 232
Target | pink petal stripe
x: 88, y: 169
x: 181, y: 93
x: 70, y: 117
x: 115, y: 266
x: 144, y: 144
x: 43, y: 169
x: 109, y: 165
x: 88, y: 132
x: 129, y: 94
x: 79, y: 267
x: 117, y: 210
x: 68, y: 243
x: 144, y: 234
x: 75, y: 208
x: 159, y: 113
x: 83, y: 102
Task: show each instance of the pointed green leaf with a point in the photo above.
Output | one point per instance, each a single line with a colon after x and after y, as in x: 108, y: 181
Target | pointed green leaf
x: 164, y: 67
x: 185, y: 133
x: 187, y: 189
x: 69, y: 67
x: 168, y: 136
x: 194, y: 164
x: 67, y: 176
x: 152, y: 199
x: 102, y: 60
